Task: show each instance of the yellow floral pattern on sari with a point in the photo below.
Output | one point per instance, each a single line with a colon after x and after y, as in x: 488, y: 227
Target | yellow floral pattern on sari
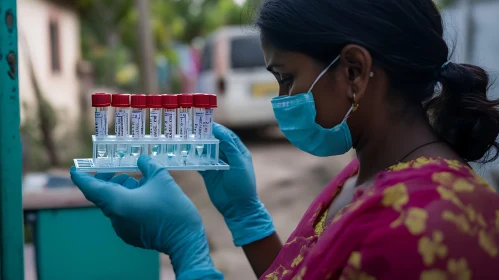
x: 354, y: 272
x: 420, y: 213
x: 456, y: 269
x: 443, y: 178
x: 395, y: 196
x: 486, y: 241
x: 462, y: 185
x: 414, y: 219
x: 431, y: 249
x: 460, y: 220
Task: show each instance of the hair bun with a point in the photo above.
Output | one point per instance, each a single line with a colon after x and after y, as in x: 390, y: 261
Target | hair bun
x: 442, y: 69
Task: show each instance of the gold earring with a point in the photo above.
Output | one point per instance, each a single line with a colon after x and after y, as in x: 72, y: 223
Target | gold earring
x: 355, y: 104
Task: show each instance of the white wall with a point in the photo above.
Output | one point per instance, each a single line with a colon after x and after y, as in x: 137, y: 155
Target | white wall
x: 60, y: 89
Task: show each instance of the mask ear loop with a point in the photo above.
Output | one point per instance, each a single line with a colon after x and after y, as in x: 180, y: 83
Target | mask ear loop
x: 354, y: 108
x: 323, y: 72
x: 355, y: 105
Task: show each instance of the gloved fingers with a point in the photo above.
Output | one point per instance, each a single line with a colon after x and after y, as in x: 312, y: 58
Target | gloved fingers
x: 131, y: 183
x: 120, y: 179
x: 95, y: 190
x: 151, y: 168
x: 209, y: 175
x: 234, y: 159
x: 126, y: 181
x: 231, y: 153
x: 148, y: 166
x: 104, y: 176
x: 226, y: 135
x: 240, y: 145
x: 220, y: 129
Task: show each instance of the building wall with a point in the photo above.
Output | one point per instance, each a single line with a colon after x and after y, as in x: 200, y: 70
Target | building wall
x: 61, y: 88
x: 484, y: 45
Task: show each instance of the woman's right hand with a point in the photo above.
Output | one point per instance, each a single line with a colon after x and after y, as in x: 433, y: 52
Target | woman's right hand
x: 233, y: 192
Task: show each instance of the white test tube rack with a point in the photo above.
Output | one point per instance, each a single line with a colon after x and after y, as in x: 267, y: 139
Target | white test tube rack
x: 193, y: 161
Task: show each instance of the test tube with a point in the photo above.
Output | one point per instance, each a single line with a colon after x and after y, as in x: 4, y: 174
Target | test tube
x: 185, y: 102
x: 121, y: 103
x: 139, y: 105
x: 170, y: 103
x: 101, y: 103
x: 209, y: 116
x: 155, y: 105
x: 201, y: 103
x: 208, y: 122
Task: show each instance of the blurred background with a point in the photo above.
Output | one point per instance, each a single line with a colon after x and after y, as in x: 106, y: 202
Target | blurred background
x: 69, y: 49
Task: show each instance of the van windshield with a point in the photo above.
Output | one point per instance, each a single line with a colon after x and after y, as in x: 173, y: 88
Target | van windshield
x: 246, y: 52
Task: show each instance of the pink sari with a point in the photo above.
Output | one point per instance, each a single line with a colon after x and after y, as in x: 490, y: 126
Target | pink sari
x: 425, y: 219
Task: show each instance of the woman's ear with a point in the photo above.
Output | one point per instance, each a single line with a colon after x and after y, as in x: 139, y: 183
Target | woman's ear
x: 357, y: 64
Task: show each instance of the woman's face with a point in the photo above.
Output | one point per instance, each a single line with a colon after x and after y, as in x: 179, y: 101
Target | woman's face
x: 334, y: 92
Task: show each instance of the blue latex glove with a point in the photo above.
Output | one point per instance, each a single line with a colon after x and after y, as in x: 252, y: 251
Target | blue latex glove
x: 233, y: 192
x: 153, y: 214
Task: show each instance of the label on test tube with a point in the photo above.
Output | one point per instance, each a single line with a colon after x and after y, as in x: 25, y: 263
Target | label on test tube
x: 170, y: 124
x: 121, y: 121
x: 138, y: 127
x: 127, y: 123
x: 198, y: 123
x: 144, y: 117
x: 101, y: 128
x: 207, y: 123
x: 155, y: 123
x: 183, y: 125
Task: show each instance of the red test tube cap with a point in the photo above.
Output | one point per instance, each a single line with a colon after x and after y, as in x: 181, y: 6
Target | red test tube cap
x: 100, y: 99
x: 201, y: 100
x: 154, y: 101
x: 139, y: 101
x: 185, y: 100
x: 170, y: 101
x: 213, y: 101
x: 121, y: 100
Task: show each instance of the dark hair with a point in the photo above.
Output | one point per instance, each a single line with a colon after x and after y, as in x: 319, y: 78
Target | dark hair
x: 405, y: 38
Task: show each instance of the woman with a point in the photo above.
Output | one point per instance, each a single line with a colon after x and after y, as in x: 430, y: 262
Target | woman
x: 372, y: 75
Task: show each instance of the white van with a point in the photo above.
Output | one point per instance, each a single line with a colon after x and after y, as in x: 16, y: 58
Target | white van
x: 232, y: 67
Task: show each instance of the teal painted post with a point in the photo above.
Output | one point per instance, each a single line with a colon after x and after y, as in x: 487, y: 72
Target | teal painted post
x: 11, y: 217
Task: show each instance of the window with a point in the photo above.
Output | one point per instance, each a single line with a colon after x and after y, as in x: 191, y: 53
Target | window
x: 246, y: 53
x: 55, y: 52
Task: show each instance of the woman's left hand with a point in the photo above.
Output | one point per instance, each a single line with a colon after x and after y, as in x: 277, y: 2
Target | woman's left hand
x: 153, y: 214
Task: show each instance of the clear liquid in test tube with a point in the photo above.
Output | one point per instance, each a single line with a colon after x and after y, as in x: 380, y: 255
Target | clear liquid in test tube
x: 101, y: 103
x: 139, y: 105
x: 155, y: 105
x: 170, y: 105
x: 208, y: 123
x: 201, y: 103
x: 121, y: 103
x: 184, y: 123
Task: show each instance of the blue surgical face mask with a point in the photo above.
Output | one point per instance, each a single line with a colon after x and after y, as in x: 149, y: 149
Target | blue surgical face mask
x: 296, y: 118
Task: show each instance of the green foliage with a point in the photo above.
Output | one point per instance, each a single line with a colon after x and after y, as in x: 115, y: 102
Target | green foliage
x: 445, y: 3
x: 33, y: 148
x: 109, y: 30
